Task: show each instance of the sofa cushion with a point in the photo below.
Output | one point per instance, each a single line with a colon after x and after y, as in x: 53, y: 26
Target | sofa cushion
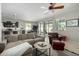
x: 20, y: 37
x: 35, y: 35
x: 17, y: 50
x: 28, y: 52
x: 31, y: 41
x: 12, y: 44
x: 30, y: 36
x: 38, y: 39
x: 24, y: 36
x: 12, y: 38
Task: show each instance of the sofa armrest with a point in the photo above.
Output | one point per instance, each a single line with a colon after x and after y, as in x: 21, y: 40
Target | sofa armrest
x: 20, y: 50
x: 2, y: 46
x: 5, y: 41
x: 38, y: 39
x: 39, y: 36
x: 28, y: 52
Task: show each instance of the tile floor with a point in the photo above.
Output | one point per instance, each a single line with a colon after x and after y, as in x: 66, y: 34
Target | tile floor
x: 69, y: 49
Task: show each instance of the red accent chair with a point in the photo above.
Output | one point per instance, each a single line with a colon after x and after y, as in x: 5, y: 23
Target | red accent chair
x: 57, y: 41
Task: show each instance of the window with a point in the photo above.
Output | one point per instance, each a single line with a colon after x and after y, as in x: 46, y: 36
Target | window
x: 61, y: 25
x: 45, y: 27
x: 49, y: 27
x: 28, y: 26
x: 41, y: 29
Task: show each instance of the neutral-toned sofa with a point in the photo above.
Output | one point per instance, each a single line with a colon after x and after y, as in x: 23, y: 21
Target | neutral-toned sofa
x: 31, y: 38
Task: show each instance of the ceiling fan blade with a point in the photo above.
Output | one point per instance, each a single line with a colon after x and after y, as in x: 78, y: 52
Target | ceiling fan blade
x: 45, y: 11
x: 43, y: 7
x: 53, y: 4
x: 58, y: 7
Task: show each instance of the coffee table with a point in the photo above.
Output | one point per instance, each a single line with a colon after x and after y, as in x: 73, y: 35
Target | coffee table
x: 42, y: 47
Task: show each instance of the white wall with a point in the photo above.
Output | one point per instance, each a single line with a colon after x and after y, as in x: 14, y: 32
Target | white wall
x: 71, y: 32
x: 0, y: 25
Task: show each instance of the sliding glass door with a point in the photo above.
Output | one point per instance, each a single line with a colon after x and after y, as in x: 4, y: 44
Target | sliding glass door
x: 41, y: 28
x: 28, y: 27
x: 49, y: 27
x: 45, y: 27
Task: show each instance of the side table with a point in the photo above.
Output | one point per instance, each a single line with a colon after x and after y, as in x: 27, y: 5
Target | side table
x: 42, y: 47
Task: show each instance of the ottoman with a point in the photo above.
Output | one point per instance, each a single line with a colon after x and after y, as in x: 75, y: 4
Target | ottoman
x: 58, y: 45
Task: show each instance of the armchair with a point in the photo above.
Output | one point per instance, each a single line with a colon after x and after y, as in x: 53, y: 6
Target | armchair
x: 57, y: 41
x: 56, y: 36
x: 53, y: 36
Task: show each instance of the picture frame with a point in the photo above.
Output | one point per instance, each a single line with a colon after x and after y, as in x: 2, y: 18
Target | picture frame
x: 72, y: 23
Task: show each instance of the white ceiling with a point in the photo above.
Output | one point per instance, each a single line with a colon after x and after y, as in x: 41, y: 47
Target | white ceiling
x: 33, y: 11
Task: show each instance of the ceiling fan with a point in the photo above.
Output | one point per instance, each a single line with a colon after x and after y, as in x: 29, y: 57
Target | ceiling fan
x: 52, y: 7
x: 55, y: 6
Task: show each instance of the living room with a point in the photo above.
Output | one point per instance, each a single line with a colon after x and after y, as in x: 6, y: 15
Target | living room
x: 31, y: 19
